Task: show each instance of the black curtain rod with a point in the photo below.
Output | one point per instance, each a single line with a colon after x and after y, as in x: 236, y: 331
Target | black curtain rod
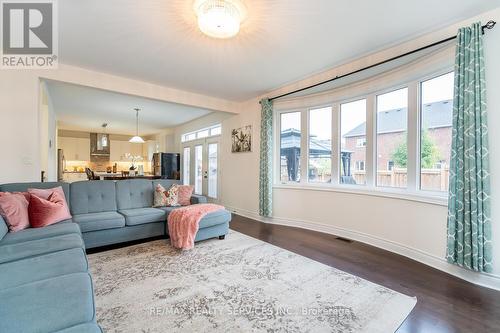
x: 488, y: 26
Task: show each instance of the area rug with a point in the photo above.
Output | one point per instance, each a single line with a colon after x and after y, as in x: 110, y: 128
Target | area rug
x: 239, y: 284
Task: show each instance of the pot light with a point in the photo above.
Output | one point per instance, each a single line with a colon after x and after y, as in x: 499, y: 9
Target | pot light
x: 220, y: 18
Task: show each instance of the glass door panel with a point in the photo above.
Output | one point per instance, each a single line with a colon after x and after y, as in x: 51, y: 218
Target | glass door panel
x: 198, y: 169
x: 186, y: 166
x: 212, y: 169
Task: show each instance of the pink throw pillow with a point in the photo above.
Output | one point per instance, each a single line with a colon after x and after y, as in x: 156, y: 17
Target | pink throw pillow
x: 46, y: 212
x: 46, y: 193
x: 14, y: 210
x: 184, y: 194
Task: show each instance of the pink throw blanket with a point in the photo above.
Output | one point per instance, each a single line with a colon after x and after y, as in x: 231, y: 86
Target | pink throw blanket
x: 183, y: 223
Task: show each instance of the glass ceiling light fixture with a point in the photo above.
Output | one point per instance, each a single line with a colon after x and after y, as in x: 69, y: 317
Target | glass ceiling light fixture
x: 220, y: 18
x: 136, y: 138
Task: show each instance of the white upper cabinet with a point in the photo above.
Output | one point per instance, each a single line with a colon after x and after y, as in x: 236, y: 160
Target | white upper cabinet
x: 75, y: 149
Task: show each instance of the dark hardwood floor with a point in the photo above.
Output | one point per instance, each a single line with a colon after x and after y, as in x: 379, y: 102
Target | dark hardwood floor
x: 444, y: 303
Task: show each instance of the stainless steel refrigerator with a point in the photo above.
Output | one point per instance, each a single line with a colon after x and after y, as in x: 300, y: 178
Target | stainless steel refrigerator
x: 61, y: 165
x: 167, y: 165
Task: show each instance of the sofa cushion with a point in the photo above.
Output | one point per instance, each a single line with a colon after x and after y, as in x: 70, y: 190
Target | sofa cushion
x: 61, y: 228
x: 23, y: 187
x: 43, y: 267
x: 3, y: 228
x: 99, y: 221
x: 17, y: 251
x: 93, y: 197
x: 47, y: 305
x: 134, y: 193
x: 214, y: 218
x: 167, y: 210
x: 143, y: 215
x: 82, y: 328
x: 211, y: 219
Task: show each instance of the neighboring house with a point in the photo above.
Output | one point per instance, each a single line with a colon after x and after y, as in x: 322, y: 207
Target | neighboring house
x: 392, y: 126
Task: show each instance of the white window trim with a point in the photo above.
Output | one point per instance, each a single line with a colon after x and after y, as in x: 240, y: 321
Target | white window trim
x: 209, y: 129
x: 412, y: 192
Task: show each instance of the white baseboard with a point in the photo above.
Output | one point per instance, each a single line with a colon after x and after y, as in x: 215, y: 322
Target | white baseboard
x: 482, y: 279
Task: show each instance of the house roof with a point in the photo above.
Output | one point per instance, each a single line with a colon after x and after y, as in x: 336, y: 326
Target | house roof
x: 435, y: 115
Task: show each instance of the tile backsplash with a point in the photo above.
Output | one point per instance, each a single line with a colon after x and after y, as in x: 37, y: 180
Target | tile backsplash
x: 72, y: 166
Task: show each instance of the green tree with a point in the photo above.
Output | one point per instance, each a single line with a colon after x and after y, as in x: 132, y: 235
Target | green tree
x: 429, y: 153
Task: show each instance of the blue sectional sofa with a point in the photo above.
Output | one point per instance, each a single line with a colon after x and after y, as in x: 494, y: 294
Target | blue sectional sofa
x: 45, y: 285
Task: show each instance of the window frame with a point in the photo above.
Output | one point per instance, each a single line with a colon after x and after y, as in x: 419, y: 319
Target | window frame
x: 419, y: 141
x: 363, y: 142
x: 412, y: 192
x: 409, y: 86
x: 277, y: 159
x: 333, y: 135
x: 209, y: 129
x: 367, y: 138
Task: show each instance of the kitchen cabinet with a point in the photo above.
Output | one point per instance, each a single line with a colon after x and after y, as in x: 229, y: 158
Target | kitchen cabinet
x: 148, y: 149
x: 116, y: 150
x: 120, y: 148
x: 75, y: 149
x: 136, y: 149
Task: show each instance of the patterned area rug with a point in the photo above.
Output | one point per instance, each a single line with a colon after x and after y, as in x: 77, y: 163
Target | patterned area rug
x: 240, y: 284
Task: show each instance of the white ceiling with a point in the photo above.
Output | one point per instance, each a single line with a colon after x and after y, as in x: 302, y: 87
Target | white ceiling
x: 281, y: 40
x: 86, y: 109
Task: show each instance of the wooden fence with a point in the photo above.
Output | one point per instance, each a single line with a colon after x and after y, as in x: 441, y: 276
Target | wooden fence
x: 430, y: 179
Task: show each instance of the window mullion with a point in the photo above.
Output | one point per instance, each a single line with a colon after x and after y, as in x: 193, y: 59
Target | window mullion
x: 335, y: 144
x: 413, y: 136
x: 371, y: 142
x: 304, y: 146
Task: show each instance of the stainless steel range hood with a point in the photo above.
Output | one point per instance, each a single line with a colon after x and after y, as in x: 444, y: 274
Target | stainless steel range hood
x: 100, y: 147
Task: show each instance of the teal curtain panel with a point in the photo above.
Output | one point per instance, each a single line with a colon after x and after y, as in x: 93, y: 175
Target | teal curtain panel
x: 266, y: 159
x: 469, y: 218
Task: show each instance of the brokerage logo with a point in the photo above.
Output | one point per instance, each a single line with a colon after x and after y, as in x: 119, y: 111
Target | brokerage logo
x: 29, y: 36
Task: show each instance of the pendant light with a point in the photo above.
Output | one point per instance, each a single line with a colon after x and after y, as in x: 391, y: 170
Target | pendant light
x: 136, y: 138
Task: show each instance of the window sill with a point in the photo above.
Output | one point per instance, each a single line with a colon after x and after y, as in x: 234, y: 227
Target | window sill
x: 425, y: 197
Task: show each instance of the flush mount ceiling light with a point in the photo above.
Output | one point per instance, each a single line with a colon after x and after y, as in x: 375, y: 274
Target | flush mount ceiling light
x: 220, y: 18
x: 136, y: 138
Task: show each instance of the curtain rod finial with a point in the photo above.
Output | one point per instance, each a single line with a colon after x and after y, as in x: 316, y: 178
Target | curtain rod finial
x: 490, y: 25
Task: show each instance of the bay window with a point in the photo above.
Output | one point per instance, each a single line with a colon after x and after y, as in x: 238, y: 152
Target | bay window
x: 392, y: 142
